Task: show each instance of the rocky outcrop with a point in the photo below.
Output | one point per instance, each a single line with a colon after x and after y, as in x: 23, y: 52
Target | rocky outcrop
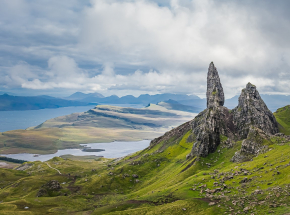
x: 253, y: 145
x: 48, y: 188
x: 250, y: 120
x: 214, y: 121
x: 215, y: 93
x: 208, y: 127
x: 252, y: 111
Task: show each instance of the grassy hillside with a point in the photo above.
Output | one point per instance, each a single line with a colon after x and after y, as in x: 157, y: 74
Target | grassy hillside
x: 283, y: 118
x: 157, y: 180
x: 101, y: 124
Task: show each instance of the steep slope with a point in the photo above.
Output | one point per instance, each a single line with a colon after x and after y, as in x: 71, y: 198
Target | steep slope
x: 188, y: 170
x: 283, y: 118
x: 157, y: 180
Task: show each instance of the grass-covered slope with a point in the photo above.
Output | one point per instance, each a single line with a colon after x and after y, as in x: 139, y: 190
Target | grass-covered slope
x: 283, y: 118
x: 157, y: 180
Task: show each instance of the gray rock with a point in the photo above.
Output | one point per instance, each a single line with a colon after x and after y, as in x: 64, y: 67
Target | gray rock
x: 24, y: 167
x: 215, y: 93
x: 214, y: 121
x: 52, y: 185
x: 250, y: 120
x: 252, y: 111
x: 252, y: 146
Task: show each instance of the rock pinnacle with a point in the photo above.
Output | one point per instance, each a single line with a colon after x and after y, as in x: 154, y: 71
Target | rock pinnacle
x: 215, y: 93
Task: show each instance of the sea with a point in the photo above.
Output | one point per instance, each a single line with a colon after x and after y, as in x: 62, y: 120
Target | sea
x: 14, y: 120
x: 114, y: 149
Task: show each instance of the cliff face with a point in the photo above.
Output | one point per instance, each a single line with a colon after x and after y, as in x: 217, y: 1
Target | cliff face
x: 242, y: 122
x: 215, y: 93
x: 250, y: 120
x: 252, y: 111
x: 214, y: 121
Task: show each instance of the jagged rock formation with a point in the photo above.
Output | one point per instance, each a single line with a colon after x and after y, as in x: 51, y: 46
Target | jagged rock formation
x: 208, y: 127
x: 253, y: 145
x: 252, y: 111
x: 215, y: 93
x: 214, y: 121
x: 251, y: 119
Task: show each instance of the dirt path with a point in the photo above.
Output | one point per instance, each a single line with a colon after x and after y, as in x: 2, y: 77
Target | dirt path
x: 53, y: 168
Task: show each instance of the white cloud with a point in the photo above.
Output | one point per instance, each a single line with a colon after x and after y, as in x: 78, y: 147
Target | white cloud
x: 248, y: 42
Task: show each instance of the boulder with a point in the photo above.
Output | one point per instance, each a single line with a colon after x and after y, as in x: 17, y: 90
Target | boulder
x: 49, y: 187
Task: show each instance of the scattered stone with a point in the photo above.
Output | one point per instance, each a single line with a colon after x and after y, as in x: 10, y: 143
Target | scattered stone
x: 256, y: 192
x: 245, y: 180
x: 52, y: 185
x: 135, y: 176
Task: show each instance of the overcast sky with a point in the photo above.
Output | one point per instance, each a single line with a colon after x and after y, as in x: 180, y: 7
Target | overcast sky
x: 140, y: 46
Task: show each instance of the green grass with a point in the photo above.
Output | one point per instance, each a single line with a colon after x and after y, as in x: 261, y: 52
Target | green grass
x: 168, y: 183
x: 283, y: 118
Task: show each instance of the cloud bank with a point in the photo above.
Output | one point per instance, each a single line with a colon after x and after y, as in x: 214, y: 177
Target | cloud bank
x: 137, y: 46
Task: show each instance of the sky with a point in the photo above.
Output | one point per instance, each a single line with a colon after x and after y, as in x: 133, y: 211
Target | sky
x: 135, y: 47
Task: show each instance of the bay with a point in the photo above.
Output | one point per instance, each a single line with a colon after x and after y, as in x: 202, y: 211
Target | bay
x: 111, y: 150
x: 14, y: 120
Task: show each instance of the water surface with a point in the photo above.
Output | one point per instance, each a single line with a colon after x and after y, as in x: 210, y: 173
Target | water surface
x: 13, y: 120
x: 112, y: 150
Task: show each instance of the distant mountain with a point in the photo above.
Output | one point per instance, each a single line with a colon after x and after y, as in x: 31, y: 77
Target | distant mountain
x: 142, y: 99
x: 174, y: 105
x: 89, y: 97
x: 8, y: 102
x: 273, y: 102
x: 4, y: 92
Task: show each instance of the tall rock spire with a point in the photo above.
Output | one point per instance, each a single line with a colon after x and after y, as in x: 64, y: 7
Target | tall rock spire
x: 215, y: 93
x: 214, y: 121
